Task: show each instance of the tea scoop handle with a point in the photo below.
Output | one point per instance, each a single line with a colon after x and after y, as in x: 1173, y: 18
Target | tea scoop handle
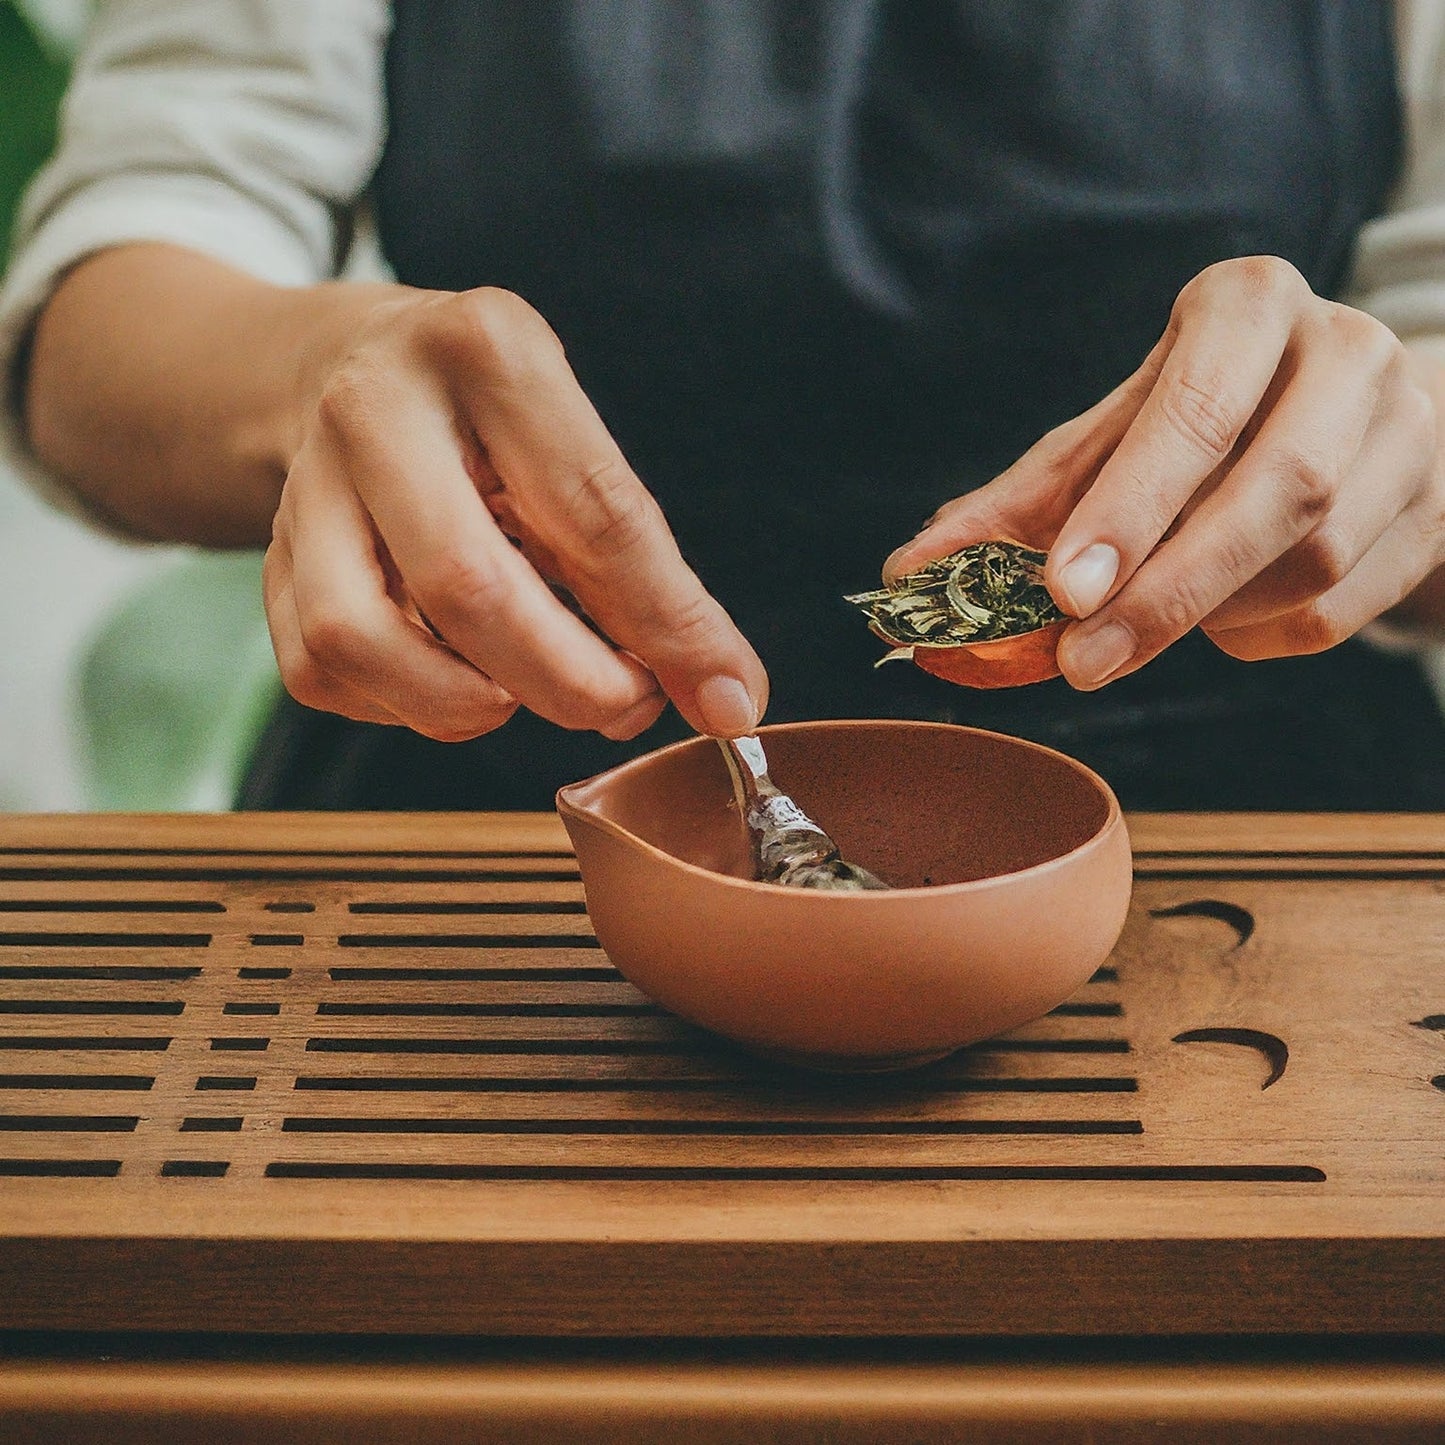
x: 787, y: 846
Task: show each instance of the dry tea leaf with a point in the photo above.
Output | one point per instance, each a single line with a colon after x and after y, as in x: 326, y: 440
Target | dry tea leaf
x: 986, y: 591
x: 981, y: 617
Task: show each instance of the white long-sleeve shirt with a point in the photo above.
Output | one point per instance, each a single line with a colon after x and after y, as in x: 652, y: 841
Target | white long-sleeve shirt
x: 248, y: 130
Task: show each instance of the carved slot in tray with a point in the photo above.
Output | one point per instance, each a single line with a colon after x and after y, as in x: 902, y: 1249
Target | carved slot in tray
x: 474, y: 1035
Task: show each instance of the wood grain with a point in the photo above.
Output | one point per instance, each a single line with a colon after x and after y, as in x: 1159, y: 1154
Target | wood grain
x: 370, y: 1073
x: 864, y: 1401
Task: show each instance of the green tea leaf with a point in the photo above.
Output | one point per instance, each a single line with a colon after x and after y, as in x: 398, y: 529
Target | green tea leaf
x: 980, y: 594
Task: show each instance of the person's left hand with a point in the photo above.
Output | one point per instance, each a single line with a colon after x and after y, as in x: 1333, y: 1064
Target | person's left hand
x: 1271, y: 473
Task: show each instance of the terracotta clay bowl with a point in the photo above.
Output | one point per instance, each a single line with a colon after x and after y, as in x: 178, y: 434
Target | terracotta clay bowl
x: 1004, y: 662
x: 1010, y: 864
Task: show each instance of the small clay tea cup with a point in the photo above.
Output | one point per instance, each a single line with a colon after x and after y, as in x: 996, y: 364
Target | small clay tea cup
x: 1009, y: 864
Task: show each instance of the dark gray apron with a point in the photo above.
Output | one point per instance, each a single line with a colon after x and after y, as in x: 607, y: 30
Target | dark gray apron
x: 824, y: 265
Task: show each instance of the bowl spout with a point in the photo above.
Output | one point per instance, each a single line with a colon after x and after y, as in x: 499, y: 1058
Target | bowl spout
x: 678, y: 802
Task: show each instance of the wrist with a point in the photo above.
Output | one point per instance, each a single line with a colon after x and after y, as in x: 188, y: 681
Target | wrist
x: 171, y: 391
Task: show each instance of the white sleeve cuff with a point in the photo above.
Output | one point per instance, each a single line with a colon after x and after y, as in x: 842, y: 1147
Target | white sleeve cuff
x: 246, y: 132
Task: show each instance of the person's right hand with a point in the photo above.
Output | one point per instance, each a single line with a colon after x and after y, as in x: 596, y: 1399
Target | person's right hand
x: 440, y: 429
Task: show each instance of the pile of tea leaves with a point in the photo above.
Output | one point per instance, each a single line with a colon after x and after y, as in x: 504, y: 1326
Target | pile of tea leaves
x: 987, y: 591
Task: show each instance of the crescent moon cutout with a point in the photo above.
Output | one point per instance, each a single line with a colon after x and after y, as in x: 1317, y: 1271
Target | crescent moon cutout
x: 1241, y: 920
x: 1271, y: 1046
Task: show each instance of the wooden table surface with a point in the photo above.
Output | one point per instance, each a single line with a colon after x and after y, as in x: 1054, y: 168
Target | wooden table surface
x: 369, y: 1076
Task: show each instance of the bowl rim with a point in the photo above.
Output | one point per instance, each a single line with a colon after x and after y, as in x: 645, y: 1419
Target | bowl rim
x: 1114, y: 816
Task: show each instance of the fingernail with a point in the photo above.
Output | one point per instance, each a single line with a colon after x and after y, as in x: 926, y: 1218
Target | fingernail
x: 1086, y: 580
x: 726, y: 707
x: 1090, y: 659
x: 635, y: 719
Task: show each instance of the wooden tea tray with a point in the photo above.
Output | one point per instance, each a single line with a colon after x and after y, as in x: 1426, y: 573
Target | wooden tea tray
x: 370, y: 1075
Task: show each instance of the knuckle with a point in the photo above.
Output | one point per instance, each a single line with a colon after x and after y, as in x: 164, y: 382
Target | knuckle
x: 1373, y: 350
x: 1416, y: 410
x: 1066, y: 454
x: 1309, y: 485
x: 1233, y: 561
x: 307, y: 683
x: 1196, y: 411
x: 611, y: 512
x: 1323, y: 558
x: 1176, y: 613
x: 333, y: 637
x: 1266, y: 277
x: 1311, y: 628
x: 462, y: 585
x: 492, y: 326
x: 351, y: 397
x: 499, y: 312
x: 689, y: 621
x: 1153, y: 622
x: 1243, y: 644
x: 472, y: 724
x: 1168, y: 614
x: 585, y: 710
x: 630, y: 722
x: 596, y: 695
x: 1136, y: 495
x: 1258, y: 276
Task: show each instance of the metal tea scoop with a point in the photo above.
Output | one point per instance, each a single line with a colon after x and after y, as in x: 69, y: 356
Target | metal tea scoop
x: 788, y: 846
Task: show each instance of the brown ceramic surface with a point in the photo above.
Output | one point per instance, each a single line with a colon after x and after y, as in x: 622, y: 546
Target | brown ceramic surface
x: 1010, y: 867
x: 1005, y: 662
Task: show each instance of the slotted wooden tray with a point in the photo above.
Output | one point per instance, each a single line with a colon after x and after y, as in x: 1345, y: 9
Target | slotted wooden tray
x: 373, y: 1074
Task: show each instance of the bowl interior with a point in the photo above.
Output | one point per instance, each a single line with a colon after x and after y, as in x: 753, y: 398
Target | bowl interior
x: 918, y: 803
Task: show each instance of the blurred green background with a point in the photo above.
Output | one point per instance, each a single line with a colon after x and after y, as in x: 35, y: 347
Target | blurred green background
x: 131, y: 677
x: 32, y: 80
